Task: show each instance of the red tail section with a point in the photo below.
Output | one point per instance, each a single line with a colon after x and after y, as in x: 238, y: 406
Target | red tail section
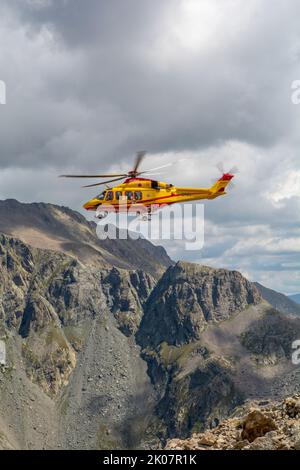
x: 219, y: 187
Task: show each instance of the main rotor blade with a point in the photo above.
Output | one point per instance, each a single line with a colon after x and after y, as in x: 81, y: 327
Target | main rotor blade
x: 156, y: 168
x: 111, y: 175
x: 154, y: 174
x: 233, y: 170
x: 220, y: 167
x: 139, y: 157
x: 102, y: 182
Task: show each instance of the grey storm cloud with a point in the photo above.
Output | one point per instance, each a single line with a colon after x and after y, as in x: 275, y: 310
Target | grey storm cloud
x: 136, y: 84
x: 90, y: 82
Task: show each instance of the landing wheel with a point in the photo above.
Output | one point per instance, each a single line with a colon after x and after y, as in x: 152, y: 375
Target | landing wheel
x: 101, y: 215
x: 148, y: 215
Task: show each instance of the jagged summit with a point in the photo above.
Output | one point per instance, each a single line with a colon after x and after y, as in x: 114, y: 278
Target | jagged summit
x: 188, y: 296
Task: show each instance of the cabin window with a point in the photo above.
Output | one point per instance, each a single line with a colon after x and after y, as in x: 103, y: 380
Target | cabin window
x: 109, y: 196
x: 118, y: 195
x: 129, y: 195
x: 138, y: 195
x: 154, y: 184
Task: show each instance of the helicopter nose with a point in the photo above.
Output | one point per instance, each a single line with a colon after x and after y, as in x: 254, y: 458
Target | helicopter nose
x: 90, y: 205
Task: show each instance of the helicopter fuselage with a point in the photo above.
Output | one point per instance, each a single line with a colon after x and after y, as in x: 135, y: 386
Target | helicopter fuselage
x: 141, y: 194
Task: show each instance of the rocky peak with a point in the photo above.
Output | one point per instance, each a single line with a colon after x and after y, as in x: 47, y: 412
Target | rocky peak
x: 188, y: 297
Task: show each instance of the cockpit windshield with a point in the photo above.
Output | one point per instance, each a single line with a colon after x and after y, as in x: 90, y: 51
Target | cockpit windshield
x: 101, y: 196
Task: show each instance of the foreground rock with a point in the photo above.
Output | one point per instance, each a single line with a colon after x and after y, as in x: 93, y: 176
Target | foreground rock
x: 255, y: 426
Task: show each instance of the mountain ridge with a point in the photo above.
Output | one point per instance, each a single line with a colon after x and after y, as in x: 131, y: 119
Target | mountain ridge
x: 295, y: 298
x: 278, y: 300
x: 103, y: 357
x: 59, y: 228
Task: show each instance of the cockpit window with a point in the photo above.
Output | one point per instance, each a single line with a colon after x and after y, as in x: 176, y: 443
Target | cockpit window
x: 101, y: 196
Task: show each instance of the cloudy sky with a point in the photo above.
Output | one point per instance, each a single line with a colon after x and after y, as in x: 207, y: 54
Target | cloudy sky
x: 89, y: 82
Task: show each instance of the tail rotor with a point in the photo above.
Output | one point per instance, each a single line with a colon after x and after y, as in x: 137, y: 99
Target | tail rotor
x: 233, y: 171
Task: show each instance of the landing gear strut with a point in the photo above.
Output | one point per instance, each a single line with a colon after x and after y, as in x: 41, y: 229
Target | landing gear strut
x: 148, y: 215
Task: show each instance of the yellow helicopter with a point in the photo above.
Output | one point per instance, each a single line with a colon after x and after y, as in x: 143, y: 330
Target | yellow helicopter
x: 139, y: 195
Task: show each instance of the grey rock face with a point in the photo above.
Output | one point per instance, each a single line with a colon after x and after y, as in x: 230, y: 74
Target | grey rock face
x: 126, y: 293
x: 209, y: 341
x: 62, y: 322
x: 200, y: 399
x: 270, y: 339
x: 189, y: 296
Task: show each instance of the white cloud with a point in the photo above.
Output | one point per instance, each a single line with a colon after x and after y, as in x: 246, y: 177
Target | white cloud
x: 88, y: 83
x: 287, y: 187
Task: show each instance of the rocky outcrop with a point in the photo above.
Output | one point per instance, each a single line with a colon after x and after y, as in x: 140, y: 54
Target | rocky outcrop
x: 35, y: 310
x: 45, y: 294
x: 199, y: 398
x: 207, y: 335
x: 188, y: 297
x: 257, y: 424
x: 126, y: 293
x: 263, y: 425
x: 269, y: 339
x: 71, y: 356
